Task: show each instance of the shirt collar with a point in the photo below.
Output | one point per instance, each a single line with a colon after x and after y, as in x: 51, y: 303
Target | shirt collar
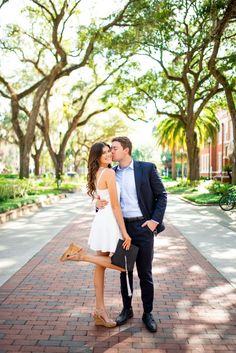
x: 130, y: 166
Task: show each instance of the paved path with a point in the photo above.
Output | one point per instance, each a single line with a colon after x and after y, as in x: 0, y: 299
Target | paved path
x: 23, y: 238
x: 211, y: 230
x: 46, y: 306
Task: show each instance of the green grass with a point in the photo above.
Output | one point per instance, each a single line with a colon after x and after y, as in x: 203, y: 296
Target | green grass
x: 196, y: 193
x: 202, y: 199
x: 38, y: 188
x: 12, y: 204
x: 180, y: 189
x: 18, y: 202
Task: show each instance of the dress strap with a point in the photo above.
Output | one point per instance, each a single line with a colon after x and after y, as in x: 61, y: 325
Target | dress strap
x: 97, y: 182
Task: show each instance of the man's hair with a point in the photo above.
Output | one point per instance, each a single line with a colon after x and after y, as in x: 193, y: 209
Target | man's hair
x: 125, y: 142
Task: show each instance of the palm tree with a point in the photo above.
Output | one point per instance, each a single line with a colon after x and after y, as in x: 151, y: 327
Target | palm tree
x: 172, y: 133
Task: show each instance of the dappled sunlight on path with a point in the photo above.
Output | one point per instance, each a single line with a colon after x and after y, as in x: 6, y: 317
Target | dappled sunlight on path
x: 47, y: 306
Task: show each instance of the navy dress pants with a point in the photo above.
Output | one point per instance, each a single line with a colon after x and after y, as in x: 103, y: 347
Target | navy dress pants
x: 144, y: 239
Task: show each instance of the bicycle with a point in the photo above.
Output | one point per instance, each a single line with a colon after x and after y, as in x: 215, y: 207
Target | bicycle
x: 228, y: 202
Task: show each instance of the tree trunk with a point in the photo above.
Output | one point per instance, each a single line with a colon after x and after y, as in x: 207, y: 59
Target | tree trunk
x: 193, y: 156
x: 36, y: 159
x: 59, y: 167
x: 173, y: 164
x: 24, y: 161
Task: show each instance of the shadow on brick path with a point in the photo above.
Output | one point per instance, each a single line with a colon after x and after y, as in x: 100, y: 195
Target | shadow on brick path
x: 47, y: 306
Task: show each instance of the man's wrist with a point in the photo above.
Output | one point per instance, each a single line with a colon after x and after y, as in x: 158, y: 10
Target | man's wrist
x: 153, y: 220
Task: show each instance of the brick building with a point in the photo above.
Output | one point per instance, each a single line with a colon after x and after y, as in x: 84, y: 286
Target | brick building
x: 214, y: 156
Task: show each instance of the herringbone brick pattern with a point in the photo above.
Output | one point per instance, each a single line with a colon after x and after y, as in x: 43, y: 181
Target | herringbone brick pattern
x: 47, y: 305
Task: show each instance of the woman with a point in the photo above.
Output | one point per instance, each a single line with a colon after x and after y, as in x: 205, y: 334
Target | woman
x: 107, y: 228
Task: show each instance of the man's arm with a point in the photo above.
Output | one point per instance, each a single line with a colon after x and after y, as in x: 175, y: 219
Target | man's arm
x: 100, y: 203
x: 160, y: 195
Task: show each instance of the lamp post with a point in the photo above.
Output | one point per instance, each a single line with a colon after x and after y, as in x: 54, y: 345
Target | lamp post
x: 209, y: 160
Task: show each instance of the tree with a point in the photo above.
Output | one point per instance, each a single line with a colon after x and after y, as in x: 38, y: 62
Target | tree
x: 179, y: 84
x: 171, y: 133
x: 50, y: 60
x: 223, y: 68
x: 76, y: 113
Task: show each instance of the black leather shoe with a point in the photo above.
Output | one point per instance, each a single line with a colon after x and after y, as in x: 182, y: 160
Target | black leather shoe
x: 149, y: 322
x: 125, y: 315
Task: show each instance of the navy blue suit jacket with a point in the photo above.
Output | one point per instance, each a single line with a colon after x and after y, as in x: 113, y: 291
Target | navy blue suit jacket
x: 152, y: 197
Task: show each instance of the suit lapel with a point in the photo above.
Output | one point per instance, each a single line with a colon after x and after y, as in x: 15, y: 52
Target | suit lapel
x: 138, y: 177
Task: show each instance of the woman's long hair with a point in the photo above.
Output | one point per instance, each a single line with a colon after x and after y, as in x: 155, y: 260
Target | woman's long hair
x: 93, y: 166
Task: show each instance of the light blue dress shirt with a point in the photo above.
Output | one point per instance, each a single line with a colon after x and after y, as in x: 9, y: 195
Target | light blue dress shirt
x: 128, y: 195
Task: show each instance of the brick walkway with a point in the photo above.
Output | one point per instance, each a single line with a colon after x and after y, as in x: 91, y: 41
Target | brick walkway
x: 46, y: 306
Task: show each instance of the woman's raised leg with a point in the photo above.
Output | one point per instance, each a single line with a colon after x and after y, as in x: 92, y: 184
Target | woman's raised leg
x: 76, y: 253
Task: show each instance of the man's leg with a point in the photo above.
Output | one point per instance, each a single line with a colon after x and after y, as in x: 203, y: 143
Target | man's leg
x: 124, y: 291
x: 144, y: 268
x: 144, y: 239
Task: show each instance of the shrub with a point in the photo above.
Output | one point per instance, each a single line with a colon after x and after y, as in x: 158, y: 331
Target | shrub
x: 9, y: 176
x: 216, y: 187
x: 188, y: 183
x: 10, y: 189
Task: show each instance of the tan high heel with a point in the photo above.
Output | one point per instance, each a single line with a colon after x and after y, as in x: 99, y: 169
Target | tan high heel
x: 100, y: 321
x: 73, y: 253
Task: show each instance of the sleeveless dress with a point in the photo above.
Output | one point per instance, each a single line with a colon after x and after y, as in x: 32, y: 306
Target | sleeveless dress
x: 105, y: 232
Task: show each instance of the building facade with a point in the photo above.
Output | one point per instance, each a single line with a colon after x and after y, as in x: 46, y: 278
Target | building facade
x: 214, y: 156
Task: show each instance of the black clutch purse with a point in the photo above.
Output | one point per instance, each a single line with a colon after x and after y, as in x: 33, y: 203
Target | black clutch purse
x: 124, y: 258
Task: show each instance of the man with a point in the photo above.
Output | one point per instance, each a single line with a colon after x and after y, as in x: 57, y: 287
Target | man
x: 143, y: 203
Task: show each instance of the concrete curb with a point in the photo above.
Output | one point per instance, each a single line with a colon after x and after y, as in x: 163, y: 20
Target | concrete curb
x: 28, y: 209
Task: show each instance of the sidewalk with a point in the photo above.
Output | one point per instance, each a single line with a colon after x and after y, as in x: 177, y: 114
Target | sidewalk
x: 21, y: 239
x: 46, y: 305
x: 209, y: 229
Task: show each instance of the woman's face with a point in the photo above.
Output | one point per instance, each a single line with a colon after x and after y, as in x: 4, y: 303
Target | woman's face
x: 106, y: 157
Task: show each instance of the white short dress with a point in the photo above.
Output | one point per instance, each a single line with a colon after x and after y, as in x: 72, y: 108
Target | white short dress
x: 105, y: 232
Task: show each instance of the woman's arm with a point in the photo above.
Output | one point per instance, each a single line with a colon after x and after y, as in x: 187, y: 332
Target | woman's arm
x: 110, y: 180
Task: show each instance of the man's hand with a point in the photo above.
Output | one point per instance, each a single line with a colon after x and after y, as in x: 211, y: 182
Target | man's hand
x: 101, y: 203
x: 150, y: 224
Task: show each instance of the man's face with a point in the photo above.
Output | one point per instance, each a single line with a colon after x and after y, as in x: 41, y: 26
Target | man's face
x: 118, y: 153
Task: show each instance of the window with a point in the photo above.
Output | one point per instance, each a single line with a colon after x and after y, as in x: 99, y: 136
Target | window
x: 226, y: 151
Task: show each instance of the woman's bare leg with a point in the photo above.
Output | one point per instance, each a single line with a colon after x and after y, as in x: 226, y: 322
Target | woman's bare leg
x: 99, y: 283
x: 76, y: 253
x: 99, y: 286
x: 100, y: 260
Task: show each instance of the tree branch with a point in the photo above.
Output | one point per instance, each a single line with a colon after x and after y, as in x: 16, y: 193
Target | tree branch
x: 57, y: 44
x: 128, y: 116
x: 83, y: 122
x: 76, y: 117
x: 207, y: 98
x: 170, y: 77
x: 67, y: 18
x: 3, y: 2
x: 4, y: 94
x: 44, y: 8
